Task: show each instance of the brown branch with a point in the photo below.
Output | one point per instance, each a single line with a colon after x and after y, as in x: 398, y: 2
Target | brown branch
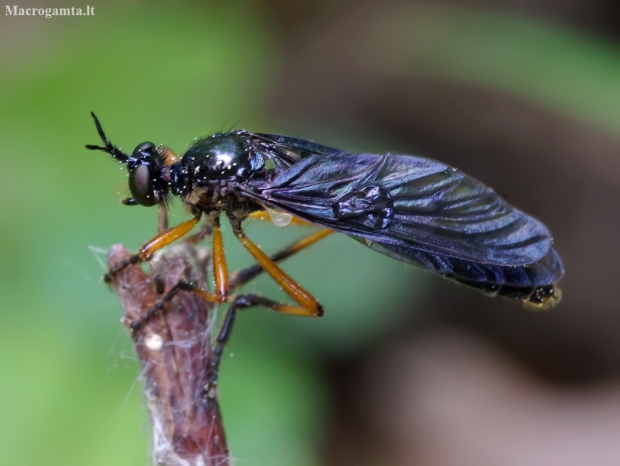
x: 174, y: 349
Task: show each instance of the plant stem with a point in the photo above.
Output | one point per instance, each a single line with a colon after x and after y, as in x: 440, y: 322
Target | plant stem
x: 175, y: 352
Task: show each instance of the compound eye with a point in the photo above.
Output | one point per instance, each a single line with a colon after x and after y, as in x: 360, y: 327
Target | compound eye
x: 145, y: 150
x: 141, y: 185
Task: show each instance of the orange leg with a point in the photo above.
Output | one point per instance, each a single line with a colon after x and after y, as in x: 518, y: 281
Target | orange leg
x: 243, y: 276
x: 164, y: 239
x: 154, y: 245
x: 220, y: 273
x: 308, y: 305
x: 220, y: 268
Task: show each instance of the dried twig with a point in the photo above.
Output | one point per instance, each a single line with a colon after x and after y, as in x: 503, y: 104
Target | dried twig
x: 174, y: 349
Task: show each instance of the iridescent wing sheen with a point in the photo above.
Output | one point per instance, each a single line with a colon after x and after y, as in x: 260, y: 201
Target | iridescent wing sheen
x: 414, y: 209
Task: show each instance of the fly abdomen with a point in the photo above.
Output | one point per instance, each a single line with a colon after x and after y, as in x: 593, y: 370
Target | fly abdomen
x: 537, y: 298
x: 533, y: 284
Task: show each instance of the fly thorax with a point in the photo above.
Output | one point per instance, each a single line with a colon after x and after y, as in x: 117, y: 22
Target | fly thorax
x: 221, y: 157
x: 202, y: 177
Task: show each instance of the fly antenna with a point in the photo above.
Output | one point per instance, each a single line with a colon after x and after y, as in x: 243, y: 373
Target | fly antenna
x: 108, y: 148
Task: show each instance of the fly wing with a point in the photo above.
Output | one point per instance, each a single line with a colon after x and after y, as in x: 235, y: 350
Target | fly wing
x: 408, y: 202
x: 546, y: 271
x: 286, y: 151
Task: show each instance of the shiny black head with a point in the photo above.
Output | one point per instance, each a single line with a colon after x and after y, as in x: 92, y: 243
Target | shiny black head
x: 147, y: 183
x: 149, y: 174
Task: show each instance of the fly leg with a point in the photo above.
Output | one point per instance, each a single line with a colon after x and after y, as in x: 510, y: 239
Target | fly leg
x: 220, y: 273
x: 308, y: 305
x: 223, y: 284
x: 163, y: 218
x: 154, y: 245
x: 246, y: 301
x: 239, y: 303
x: 243, y: 276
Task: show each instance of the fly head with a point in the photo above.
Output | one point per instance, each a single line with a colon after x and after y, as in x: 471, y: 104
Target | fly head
x: 149, y: 172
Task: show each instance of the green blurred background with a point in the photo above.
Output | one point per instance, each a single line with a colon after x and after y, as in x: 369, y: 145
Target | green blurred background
x: 523, y: 96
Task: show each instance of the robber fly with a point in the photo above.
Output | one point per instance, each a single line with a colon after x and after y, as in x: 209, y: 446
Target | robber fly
x: 417, y: 210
